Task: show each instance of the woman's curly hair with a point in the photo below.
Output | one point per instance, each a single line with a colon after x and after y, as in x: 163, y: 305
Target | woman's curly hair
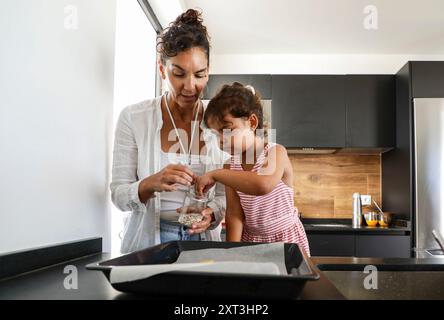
x: 184, y: 33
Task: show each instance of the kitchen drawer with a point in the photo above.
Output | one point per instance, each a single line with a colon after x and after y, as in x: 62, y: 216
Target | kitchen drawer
x: 331, y: 245
x: 384, y: 246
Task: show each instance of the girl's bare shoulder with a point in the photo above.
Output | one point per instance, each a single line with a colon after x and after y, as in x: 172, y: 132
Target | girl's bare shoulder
x: 278, y: 150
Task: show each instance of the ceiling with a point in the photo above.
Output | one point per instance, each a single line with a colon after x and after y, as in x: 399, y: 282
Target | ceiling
x: 322, y: 26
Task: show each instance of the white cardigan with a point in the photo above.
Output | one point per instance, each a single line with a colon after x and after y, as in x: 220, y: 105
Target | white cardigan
x: 136, y: 156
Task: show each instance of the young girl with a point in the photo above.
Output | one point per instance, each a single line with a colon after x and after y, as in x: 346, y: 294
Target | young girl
x: 258, y: 181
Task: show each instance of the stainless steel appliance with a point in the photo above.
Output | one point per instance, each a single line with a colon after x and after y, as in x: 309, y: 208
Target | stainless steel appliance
x: 357, y: 211
x: 428, y: 134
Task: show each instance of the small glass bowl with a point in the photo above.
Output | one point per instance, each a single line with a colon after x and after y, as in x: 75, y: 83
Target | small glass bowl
x: 371, y: 218
x: 384, y: 219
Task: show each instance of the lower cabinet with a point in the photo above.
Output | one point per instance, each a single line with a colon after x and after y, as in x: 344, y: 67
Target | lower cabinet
x: 384, y: 246
x: 331, y: 245
x: 341, y: 245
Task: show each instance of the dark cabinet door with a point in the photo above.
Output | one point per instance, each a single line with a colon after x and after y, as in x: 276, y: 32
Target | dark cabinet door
x: 334, y: 245
x: 388, y: 246
x: 309, y: 110
x: 261, y: 83
x: 427, y: 79
x: 370, y: 111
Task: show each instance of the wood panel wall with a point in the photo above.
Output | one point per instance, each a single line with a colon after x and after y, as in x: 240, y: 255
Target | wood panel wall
x: 324, y: 184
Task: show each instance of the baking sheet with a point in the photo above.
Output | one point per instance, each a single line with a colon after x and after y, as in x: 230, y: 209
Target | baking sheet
x: 263, y: 259
x: 132, y: 273
x: 268, y: 252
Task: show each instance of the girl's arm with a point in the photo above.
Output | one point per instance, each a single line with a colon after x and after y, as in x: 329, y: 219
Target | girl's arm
x: 254, y: 183
x: 234, y: 216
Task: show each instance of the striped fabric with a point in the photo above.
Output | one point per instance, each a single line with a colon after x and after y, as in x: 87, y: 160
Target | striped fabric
x: 271, y: 217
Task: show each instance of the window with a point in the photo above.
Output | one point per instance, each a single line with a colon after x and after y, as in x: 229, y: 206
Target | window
x: 134, y: 76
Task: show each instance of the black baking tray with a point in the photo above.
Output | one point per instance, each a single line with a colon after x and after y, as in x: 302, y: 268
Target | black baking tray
x: 178, y: 283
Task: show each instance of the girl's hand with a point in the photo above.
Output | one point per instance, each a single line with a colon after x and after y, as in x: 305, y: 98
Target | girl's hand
x: 204, y: 183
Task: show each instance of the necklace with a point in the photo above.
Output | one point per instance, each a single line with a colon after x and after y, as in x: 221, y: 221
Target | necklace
x: 177, y: 131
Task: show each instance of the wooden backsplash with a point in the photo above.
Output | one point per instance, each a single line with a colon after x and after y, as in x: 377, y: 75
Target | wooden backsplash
x: 324, y: 184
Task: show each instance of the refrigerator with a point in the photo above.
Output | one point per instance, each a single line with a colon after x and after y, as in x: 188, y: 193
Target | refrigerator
x: 428, y: 119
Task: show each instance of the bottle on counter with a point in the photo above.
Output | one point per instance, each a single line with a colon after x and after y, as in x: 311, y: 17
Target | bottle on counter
x: 357, y: 211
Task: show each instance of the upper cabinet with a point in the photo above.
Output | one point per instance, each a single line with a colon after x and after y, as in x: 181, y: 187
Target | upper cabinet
x: 427, y: 79
x: 309, y: 110
x: 261, y: 82
x: 325, y: 111
x: 370, y: 111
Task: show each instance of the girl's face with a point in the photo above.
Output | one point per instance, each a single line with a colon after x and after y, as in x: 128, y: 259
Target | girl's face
x: 186, y: 76
x: 236, y: 135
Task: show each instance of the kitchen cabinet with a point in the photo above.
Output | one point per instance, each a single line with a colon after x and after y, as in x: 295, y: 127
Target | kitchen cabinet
x: 416, y: 79
x: 384, y: 246
x: 427, y: 79
x: 261, y: 83
x: 359, y: 245
x: 325, y: 111
x: 335, y: 245
x: 397, y: 166
x: 370, y: 111
x: 309, y: 110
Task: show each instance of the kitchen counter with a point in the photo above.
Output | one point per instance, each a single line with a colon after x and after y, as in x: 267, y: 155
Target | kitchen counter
x: 343, y: 226
x: 92, y: 285
x: 340, y: 278
x: 397, y: 278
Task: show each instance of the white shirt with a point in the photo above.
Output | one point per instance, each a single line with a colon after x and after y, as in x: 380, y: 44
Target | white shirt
x: 136, y: 156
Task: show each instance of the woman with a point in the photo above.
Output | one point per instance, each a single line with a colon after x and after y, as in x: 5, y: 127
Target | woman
x: 157, y: 145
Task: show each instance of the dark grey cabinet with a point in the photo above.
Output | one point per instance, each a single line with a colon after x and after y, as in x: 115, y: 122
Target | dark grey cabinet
x: 309, y: 110
x: 358, y: 245
x: 261, y: 82
x: 397, y: 166
x: 331, y: 245
x: 325, y: 111
x: 388, y: 246
x: 427, y: 79
x: 416, y: 79
x: 370, y: 111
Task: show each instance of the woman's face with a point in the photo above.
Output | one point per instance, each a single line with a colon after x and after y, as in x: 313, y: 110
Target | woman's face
x: 236, y: 135
x: 186, y: 76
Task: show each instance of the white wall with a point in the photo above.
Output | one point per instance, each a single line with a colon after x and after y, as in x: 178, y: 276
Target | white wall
x: 168, y: 10
x: 311, y: 64
x: 56, y: 89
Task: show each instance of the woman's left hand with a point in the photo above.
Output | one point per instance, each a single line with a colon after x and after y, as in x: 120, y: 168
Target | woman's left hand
x: 208, y: 218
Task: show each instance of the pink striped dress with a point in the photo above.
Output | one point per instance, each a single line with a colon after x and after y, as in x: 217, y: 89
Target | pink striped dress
x: 271, y: 217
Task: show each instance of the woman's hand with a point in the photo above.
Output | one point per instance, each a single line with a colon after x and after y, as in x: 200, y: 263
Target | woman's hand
x: 204, y: 183
x: 199, y: 227
x: 165, y: 180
